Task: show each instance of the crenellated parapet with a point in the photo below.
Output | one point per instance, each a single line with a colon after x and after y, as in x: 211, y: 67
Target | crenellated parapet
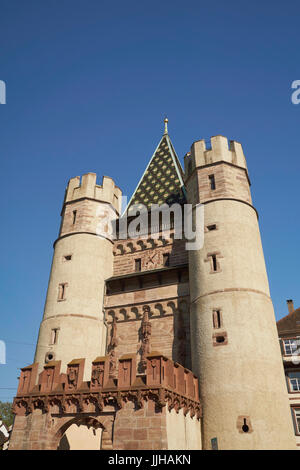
x: 87, y: 187
x: 216, y: 170
x: 165, y: 382
x: 216, y: 150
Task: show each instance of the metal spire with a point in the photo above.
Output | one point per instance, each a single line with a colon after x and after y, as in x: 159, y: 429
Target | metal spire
x: 166, y: 125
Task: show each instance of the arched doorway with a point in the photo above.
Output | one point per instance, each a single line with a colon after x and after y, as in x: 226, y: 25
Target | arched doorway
x: 84, y: 433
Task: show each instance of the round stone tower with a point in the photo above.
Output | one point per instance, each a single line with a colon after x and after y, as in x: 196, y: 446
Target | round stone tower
x: 72, y: 325
x: 234, y: 341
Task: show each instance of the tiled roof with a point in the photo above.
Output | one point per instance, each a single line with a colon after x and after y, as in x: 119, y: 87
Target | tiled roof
x: 162, y: 181
x: 290, y: 322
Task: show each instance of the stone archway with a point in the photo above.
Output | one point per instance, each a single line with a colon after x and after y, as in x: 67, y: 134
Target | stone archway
x: 84, y: 432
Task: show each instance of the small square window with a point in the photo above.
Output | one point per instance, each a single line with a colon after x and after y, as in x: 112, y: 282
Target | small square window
x: 290, y: 346
x: 67, y: 257
x: 211, y: 227
x: 220, y: 339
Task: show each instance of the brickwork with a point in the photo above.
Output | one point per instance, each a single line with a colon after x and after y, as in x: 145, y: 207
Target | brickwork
x: 169, y: 335
x: 43, y: 431
x: 131, y: 379
x: 231, y: 182
x: 131, y: 410
x: 140, y: 429
x: 85, y: 220
x: 150, y: 252
x: 31, y: 432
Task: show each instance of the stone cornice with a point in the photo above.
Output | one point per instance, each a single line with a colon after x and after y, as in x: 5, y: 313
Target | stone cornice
x: 82, y: 399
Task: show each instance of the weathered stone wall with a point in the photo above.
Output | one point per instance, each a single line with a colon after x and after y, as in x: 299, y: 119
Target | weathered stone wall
x: 81, y: 263
x: 150, y: 252
x: 141, y: 429
x: 131, y: 410
x: 236, y: 358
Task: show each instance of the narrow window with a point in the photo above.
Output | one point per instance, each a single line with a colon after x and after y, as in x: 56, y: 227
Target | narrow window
x: 217, y: 319
x: 67, y: 258
x: 62, y: 291
x: 138, y: 264
x: 294, y: 379
x: 212, y: 182
x: 297, y: 419
x: 54, y: 335
x: 245, y: 427
x: 244, y: 424
x: 211, y: 227
x: 166, y: 259
x: 74, y: 216
x: 214, y: 261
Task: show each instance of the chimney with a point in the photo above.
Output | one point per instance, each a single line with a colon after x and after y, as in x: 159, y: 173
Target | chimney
x: 290, y: 305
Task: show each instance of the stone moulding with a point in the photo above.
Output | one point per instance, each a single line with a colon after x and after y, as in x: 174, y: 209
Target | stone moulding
x: 165, y: 382
x: 63, y: 403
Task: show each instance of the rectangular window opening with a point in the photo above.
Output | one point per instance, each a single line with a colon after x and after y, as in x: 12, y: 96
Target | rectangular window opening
x: 67, y: 257
x: 290, y: 346
x: 62, y: 291
x: 297, y: 419
x: 138, y: 264
x: 214, y: 260
x: 211, y: 227
x: 54, y: 335
x: 294, y: 378
x: 74, y: 216
x: 212, y: 182
x: 217, y: 319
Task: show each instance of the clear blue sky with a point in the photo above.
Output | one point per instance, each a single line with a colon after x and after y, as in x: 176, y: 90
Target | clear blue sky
x: 88, y: 84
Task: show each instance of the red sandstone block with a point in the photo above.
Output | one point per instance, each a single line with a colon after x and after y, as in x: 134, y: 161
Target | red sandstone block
x: 140, y: 412
x: 155, y: 422
x: 154, y: 433
x: 20, y: 422
x: 125, y: 422
x: 156, y: 445
x: 140, y: 434
x: 34, y: 436
x: 125, y: 433
x: 151, y: 408
x: 35, y: 446
x: 131, y: 445
x: 141, y: 422
x: 145, y: 445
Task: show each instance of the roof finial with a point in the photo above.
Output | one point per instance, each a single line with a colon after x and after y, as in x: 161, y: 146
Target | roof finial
x: 166, y: 125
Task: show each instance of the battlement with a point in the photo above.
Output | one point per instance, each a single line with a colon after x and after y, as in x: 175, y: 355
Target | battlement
x: 165, y: 382
x: 204, y: 153
x: 86, y: 187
